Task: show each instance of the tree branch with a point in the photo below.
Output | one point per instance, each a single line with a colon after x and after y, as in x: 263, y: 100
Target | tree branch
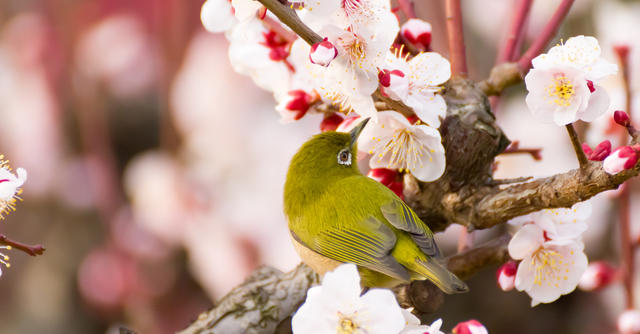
x: 288, y: 16
x: 31, y: 250
x: 523, y: 7
x: 408, y: 8
x: 510, y: 74
x: 577, y: 146
x: 455, y: 36
x: 546, y: 35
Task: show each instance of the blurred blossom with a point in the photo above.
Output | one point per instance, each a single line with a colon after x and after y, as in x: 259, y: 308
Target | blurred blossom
x: 153, y: 183
x: 507, y: 275
x: 30, y: 128
x: 629, y: 322
x: 119, y: 51
x: 104, y: 278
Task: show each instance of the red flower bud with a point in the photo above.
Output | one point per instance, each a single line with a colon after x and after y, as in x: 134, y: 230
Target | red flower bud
x: 601, y: 152
x: 330, y: 122
x: 417, y: 32
x: 383, y: 175
x: 622, y: 158
x: 506, y: 275
x: 323, y: 53
x: 598, y: 275
x: 470, y: 327
x: 591, y: 87
x: 587, y: 150
x: 396, y: 187
x: 621, y: 117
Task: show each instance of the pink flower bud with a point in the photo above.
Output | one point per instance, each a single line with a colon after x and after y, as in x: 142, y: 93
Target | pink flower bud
x: 587, y: 150
x: 598, y: 275
x: 506, y: 275
x: 622, y: 50
x: 323, y: 53
x: 330, y: 122
x: 394, y: 84
x: 417, y: 32
x: 383, y: 175
x: 294, y: 105
x: 621, y: 117
x: 348, y: 124
x: 629, y: 322
x: 601, y: 152
x: 470, y: 327
x: 396, y: 187
x: 622, y: 158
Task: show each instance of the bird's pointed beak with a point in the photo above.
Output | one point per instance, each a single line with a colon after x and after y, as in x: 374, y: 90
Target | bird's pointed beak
x: 355, y: 132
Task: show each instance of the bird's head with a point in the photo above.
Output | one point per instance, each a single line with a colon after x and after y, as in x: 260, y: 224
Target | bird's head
x: 324, y: 158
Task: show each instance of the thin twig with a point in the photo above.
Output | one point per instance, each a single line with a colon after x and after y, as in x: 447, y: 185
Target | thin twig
x: 577, y: 146
x: 522, y: 9
x: 514, y: 148
x: 289, y: 17
x: 408, y: 8
x: 455, y: 36
x: 546, y: 35
x: 393, y: 104
x: 627, y: 265
x: 31, y: 250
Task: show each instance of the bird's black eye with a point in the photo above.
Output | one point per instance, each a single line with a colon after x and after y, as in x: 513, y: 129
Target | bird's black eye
x: 344, y: 158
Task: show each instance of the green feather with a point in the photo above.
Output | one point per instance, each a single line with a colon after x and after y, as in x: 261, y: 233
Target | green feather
x: 341, y: 214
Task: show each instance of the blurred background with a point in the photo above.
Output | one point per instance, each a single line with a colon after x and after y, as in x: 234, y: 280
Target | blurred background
x: 156, y: 172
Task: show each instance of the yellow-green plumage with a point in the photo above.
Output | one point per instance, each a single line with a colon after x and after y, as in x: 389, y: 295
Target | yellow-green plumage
x: 338, y: 213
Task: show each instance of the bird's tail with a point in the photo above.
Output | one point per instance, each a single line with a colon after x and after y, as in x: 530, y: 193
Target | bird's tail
x: 441, y: 277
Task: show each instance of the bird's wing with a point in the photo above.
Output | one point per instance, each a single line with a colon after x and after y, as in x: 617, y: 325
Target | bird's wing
x: 403, y: 218
x: 368, y: 244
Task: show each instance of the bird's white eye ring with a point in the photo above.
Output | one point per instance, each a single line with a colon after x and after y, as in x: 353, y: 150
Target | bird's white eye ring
x: 344, y: 158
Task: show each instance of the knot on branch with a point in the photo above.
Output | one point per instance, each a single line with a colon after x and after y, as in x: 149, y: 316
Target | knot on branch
x: 501, y: 77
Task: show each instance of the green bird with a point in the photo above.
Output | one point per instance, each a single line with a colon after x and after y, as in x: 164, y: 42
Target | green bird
x: 337, y: 215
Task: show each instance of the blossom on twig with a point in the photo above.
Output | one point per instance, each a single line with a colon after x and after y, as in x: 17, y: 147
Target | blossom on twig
x: 623, y: 158
x: 416, y: 82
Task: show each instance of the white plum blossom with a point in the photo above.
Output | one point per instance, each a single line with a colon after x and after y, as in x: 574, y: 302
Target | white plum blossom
x: 217, y: 15
x: 337, y: 307
x: 561, y: 223
x: 9, y: 186
x: 416, y: 83
x: 323, y: 53
x: 580, y: 52
x: 562, y: 94
x: 361, y: 51
x: 549, y: 268
x: 263, y: 55
x: 413, y: 325
x: 396, y: 144
x: 245, y: 10
x: 345, y: 13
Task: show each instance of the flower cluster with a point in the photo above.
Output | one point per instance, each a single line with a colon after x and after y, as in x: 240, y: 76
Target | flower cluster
x: 344, y: 70
x: 337, y: 307
x: 563, y: 83
x: 549, y: 243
